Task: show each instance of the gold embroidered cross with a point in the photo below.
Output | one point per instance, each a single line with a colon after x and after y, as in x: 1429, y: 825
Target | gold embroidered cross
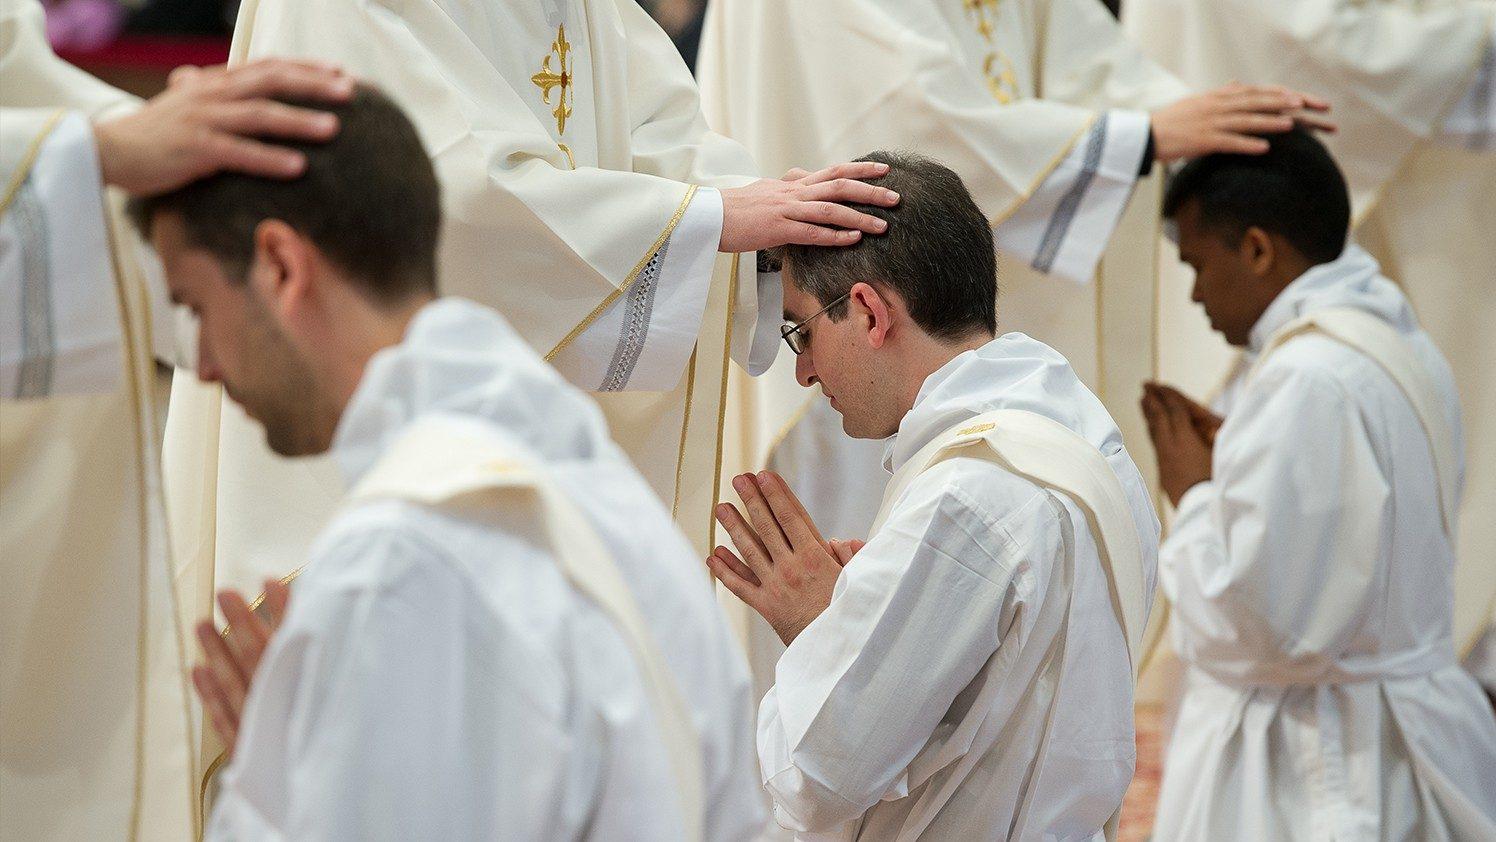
x: 1002, y: 83
x: 984, y: 23
x: 550, y: 78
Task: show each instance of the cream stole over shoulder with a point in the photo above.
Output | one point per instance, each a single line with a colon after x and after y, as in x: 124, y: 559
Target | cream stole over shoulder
x: 1384, y: 345
x: 1381, y: 342
x: 443, y: 464
x: 1050, y: 455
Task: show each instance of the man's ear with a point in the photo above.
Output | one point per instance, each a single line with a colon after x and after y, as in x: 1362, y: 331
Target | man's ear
x: 1258, y: 251
x: 283, y: 270
x: 872, y: 306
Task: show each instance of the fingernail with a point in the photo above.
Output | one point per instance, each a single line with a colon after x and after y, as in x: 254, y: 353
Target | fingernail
x: 327, y: 122
x: 891, y: 195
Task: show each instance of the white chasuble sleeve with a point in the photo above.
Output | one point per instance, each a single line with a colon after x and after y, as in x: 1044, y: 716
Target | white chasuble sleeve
x: 59, y: 312
x: 1266, y: 566
x: 566, y: 155
x: 645, y: 337
x: 863, y: 688
x: 1064, y: 227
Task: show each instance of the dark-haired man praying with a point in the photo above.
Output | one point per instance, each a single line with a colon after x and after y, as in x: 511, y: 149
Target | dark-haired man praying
x: 965, y: 674
x: 501, y: 634
x: 1311, y: 560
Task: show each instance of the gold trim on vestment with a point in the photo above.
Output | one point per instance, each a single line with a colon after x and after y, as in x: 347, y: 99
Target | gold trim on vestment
x: 685, y: 431
x: 628, y: 282
x: 134, y: 386
x: 732, y: 300
x: 28, y: 160
x: 143, y: 363
x: 202, y: 794
x: 212, y: 771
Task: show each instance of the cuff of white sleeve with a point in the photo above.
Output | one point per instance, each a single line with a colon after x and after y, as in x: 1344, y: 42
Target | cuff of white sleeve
x: 644, y: 339
x: 71, y: 277
x: 760, y: 335
x: 1065, y: 225
x: 1193, y: 504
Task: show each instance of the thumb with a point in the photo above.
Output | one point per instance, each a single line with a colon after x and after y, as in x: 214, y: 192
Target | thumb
x: 844, y: 550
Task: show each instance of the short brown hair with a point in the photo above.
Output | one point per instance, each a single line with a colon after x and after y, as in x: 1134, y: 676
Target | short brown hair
x: 937, y: 253
x: 368, y: 199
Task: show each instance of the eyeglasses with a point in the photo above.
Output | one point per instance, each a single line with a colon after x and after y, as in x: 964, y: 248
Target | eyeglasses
x: 796, y: 336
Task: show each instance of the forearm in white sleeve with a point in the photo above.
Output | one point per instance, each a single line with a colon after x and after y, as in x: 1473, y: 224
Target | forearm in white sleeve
x: 644, y: 339
x: 1063, y: 228
x: 58, y: 301
x: 758, y: 313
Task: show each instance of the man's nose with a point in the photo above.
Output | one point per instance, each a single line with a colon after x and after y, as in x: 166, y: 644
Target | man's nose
x: 805, y: 370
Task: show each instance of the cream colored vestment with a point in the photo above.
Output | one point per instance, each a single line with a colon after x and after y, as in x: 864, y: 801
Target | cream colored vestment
x: 95, y: 723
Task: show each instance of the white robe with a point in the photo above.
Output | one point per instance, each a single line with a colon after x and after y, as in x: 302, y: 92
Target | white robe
x: 950, y: 596
x: 438, y: 677
x: 1313, y: 589
x: 1413, y: 85
x: 94, y: 705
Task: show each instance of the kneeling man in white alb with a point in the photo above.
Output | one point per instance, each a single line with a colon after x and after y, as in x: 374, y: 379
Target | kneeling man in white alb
x: 1311, y: 561
x: 967, y: 673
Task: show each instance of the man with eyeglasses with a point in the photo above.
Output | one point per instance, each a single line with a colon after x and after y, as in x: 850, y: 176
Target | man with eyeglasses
x: 967, y: 673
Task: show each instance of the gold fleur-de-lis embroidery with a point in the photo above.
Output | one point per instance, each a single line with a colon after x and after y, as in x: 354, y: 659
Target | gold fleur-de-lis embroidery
x: 550, y: 78
x: 1001, y: 81
x: 984, y: 21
